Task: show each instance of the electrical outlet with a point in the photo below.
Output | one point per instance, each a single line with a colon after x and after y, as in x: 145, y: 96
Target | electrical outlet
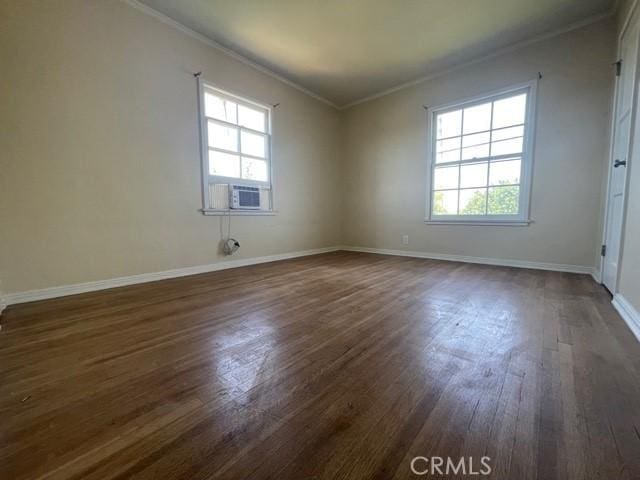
x: 405, y: 239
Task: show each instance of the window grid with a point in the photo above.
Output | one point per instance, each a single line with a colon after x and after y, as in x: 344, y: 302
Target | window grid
x: 486, y: 196
x: 489, y: 187
x: 235, y: 148
x: 240, y: 129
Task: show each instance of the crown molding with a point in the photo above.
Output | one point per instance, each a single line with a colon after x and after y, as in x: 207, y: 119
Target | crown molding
x: 227, y: 51
x: 497, y: 53
x: 241, y: 58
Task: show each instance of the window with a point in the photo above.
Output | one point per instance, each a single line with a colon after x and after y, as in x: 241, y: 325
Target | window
x: 236, y: 139
x: 481, y: 159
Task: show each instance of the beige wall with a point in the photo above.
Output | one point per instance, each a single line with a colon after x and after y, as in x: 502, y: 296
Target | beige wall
x: 629, y: 282
x: 385, y: 149
x: 100, y: 172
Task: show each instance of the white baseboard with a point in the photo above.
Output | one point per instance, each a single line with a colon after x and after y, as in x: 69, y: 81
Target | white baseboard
x: 628, y: 313
x: 556, y: 267
x: 62, y: 291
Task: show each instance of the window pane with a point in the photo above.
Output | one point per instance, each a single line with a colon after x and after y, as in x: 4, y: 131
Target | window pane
x: 475, y: 139
x: 504, y: 173
x: 450, y: 156
x: 448, y: 144
x: 449, y: 124
x: 448, y: 150
x: 473, y: 201
x: 506, y: 147
x: 509, y: 111
x: 250, y: 118
x: 253, y: 169
x: 445, y: 203
x: 253, y: 144
x: 505, y: 133
x: 219, y: 108
x: 477, y: 119
x: 445, y: 177
x: 223, y: 137
x: 473, y: 175
x: 479, y: 151
x: 474, y: 145
x: 504, y: 200
x: 224, y: 164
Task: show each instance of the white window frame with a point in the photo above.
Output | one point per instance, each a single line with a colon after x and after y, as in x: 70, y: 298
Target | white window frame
x: 523, y: 216
x: 207, y: 178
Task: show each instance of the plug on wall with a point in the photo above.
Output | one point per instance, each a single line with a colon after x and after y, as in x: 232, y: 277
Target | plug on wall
x: 405, y: 239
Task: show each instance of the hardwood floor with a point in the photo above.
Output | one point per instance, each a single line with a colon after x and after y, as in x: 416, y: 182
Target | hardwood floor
x: 336, y: 366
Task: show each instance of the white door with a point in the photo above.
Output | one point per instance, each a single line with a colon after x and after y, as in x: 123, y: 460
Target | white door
x: 623, y: 118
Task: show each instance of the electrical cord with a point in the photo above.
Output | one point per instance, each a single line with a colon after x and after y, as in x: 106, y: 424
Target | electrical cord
x: 230, y: 245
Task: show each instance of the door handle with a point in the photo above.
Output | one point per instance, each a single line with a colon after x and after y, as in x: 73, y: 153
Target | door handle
x: 619, y: 163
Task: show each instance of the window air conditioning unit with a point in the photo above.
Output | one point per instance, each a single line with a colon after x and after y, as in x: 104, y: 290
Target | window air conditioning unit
x: 244, y: 197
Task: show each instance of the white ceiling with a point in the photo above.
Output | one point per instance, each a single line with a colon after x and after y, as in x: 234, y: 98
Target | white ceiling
x: 346, y: 50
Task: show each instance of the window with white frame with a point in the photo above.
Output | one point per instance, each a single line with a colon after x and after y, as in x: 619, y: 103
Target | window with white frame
x: 236, y: 140
x: 481, y: 158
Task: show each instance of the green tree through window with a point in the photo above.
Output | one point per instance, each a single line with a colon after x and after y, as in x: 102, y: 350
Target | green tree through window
x: 438, y: 204
x: 502, y: 201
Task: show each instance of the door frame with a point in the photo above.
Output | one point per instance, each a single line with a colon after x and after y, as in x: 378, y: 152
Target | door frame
x: 632, y: 17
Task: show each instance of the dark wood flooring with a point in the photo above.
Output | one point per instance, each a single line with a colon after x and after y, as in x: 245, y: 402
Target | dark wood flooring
x: 335, y: 366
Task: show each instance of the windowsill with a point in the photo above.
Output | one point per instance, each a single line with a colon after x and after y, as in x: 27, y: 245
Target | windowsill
x: 495, y: 223
x: 237, y: 212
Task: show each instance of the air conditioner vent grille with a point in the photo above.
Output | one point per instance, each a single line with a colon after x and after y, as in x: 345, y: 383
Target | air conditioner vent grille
x: 224, y: 196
